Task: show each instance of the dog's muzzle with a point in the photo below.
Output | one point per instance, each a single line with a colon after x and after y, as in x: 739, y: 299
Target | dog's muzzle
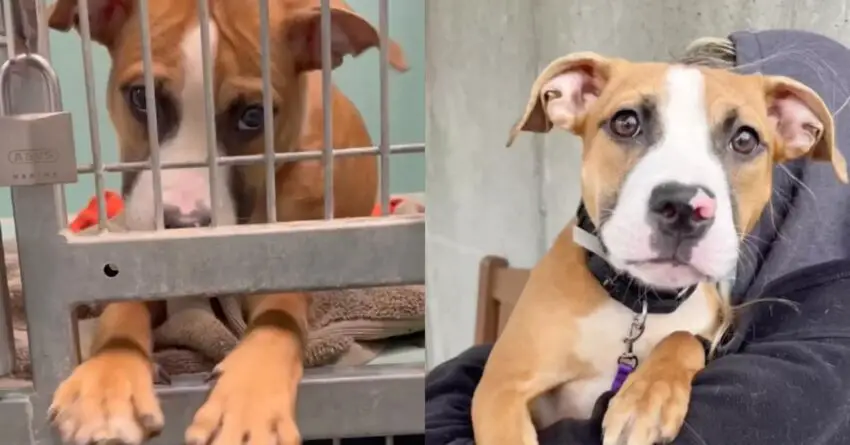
x: 176, y: 218
x: 680, y: 215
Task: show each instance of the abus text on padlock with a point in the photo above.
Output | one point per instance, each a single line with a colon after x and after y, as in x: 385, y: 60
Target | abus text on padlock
x: 36, y: 149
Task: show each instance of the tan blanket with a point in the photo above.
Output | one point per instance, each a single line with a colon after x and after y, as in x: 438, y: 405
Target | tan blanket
x: 347, y: 327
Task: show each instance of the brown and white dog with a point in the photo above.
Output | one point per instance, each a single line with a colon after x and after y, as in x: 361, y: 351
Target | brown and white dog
x: 676, y: 167
x: 110, y: 396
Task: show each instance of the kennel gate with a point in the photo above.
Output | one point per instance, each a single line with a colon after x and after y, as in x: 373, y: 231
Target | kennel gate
x: 59, y: 270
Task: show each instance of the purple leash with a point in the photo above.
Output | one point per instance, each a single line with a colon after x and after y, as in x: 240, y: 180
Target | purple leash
x: 623, y: 371
x: 628, y: 361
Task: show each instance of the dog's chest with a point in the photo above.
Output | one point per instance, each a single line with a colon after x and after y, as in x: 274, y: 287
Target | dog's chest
x: 600, y: 344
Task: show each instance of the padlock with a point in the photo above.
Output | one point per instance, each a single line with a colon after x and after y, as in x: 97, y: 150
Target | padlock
x: 35, y: 148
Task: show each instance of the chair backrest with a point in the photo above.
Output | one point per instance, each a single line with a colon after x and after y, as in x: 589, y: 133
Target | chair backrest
x: 499, y: 287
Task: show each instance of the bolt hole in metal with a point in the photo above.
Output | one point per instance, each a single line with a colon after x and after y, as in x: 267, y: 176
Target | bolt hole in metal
x: 110, y: 270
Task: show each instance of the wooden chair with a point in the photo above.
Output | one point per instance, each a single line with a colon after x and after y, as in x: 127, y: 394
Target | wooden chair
x: 499, y: 287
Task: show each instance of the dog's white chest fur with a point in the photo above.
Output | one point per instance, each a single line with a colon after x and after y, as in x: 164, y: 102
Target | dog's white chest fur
x: 600, y: 344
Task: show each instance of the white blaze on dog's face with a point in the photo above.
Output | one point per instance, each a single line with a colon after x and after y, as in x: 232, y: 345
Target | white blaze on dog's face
x: 177, y: 56
x: 677, y: 160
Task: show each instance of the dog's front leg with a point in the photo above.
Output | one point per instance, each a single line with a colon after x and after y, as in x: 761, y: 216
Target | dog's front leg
x: 501, y: 405
x: 651, y: 406
x: 253, y: 400
x: 110, y: 396
x: 502, y: 417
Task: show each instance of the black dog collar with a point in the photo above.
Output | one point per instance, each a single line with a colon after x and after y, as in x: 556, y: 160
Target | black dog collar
x: 625, y: 288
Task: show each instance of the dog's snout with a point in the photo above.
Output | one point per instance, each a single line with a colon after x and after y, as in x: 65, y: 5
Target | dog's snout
x: 684, y: 211
x: 175, y: 218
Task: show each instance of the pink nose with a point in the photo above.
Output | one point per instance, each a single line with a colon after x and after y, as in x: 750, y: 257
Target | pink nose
x: 704, y: 206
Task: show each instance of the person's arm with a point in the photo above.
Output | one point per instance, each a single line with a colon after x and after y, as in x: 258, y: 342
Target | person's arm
x: 448, y: 397
x: 790, y: 383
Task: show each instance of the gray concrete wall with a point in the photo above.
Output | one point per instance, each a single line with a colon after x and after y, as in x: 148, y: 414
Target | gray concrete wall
x: 482, y: 57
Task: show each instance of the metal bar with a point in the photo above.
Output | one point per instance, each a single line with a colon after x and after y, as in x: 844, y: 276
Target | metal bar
x: 278, y: 257
x: 209, y: 107
x: 9, y: 19
x: 388, y: 440
x: 15, y: 416
x: 52, y: 349
x: 364, y: 401
x: 268, y: 113
x: 7, y: 338
x: 91, y: 107
x: 43, y: 49
x: 43, y: 33
x: 327, y: 110
x: 384, y: 176
x: 150, y: 107
x: 399, y: 149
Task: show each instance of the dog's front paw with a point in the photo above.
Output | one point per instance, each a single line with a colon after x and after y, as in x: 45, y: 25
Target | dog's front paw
x: 253, y: 400
x: 649, y: 409
x: 108, y: 398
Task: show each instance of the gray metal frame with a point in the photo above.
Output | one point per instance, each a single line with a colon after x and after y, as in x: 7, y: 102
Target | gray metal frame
x: 59, y: 270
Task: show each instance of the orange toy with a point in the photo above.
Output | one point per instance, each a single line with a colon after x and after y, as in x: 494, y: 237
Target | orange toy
x: 88, y: 216
x: 394, y: 206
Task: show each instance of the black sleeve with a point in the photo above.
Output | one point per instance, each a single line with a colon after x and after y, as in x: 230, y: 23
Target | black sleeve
x: 448, y: 398
x: 790, y: 382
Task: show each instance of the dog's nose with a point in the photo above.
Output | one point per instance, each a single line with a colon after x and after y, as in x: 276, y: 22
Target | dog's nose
x: 174, y: 218
x: 684, y: 211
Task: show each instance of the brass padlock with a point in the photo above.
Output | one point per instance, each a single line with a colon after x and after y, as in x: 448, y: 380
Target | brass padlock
x: 35, y: 148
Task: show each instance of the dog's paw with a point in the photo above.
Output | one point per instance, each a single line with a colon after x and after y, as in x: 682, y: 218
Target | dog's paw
x: 108, y: 398
x: 649, y: 409
x: 253, y: 400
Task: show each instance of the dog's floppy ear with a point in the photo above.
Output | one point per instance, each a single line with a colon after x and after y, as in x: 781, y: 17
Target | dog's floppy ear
x: 803, y: 124
x: 105, y: 17
x: 395, y: 55
x: 563, y: 92
x: 351, y: 34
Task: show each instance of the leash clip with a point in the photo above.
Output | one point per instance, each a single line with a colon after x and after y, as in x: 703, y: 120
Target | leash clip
x: 638, y: 325
x: 628, y: 359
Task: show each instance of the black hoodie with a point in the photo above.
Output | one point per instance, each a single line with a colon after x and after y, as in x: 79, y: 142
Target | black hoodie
x: 785, y: 377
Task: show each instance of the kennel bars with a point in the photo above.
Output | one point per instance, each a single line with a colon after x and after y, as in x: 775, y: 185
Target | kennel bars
x: 59, y: 270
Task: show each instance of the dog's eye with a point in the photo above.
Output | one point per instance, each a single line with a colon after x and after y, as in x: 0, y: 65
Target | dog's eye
x: 744, y: 141
x: 251, y: 118
x: 137, y: 98
x: 137, y: 103
x: 625, y: 124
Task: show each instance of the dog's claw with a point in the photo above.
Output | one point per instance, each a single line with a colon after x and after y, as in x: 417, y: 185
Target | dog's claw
x: 212, y: 376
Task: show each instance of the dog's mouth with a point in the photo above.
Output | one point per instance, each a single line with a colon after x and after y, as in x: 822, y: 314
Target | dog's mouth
x: 669, y: 272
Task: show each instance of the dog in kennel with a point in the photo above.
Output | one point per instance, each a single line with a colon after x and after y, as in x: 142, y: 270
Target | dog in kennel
x: 110, y: 395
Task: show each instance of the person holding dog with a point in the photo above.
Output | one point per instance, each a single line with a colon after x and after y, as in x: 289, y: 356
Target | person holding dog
x: 782, y: 375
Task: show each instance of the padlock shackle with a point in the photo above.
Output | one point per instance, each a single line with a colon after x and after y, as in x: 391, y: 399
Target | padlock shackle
x: 48, y: 75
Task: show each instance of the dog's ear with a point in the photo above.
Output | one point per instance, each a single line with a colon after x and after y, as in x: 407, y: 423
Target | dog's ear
x: 563, y: 93
x: 803, y: 124
x: 351, y: 34
x: 105, y: 17
x: 395, y: 54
